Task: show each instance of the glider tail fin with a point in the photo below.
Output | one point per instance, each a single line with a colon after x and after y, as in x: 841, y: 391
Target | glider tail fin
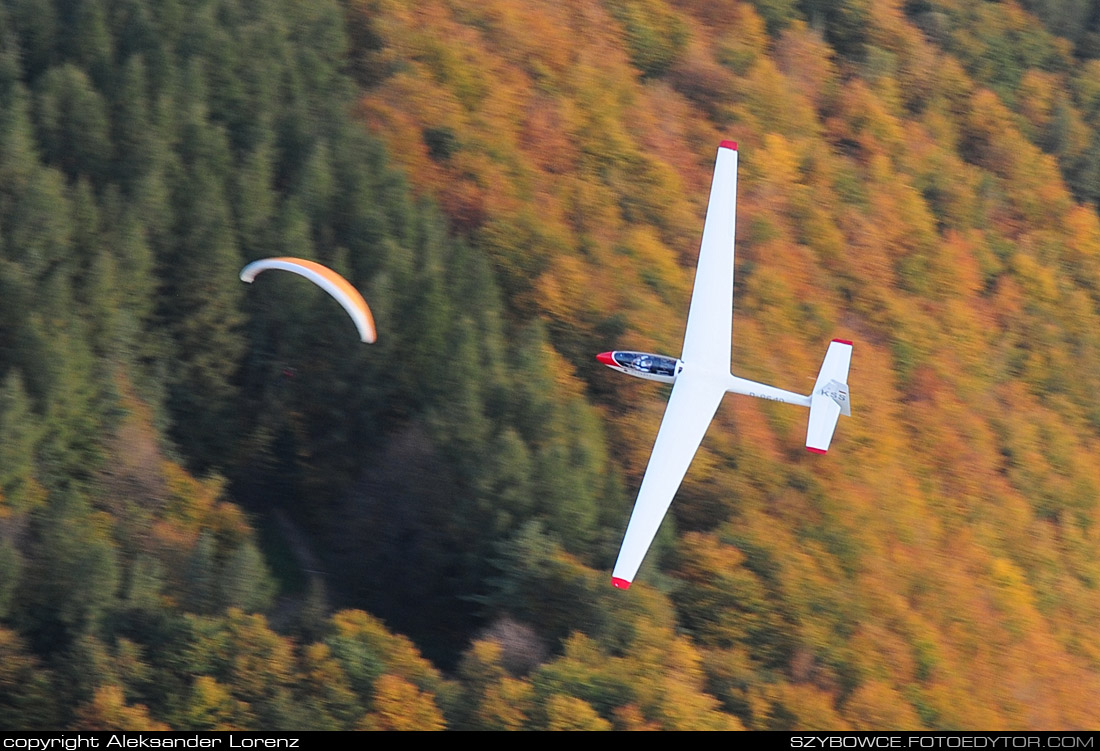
x: 829, y: 399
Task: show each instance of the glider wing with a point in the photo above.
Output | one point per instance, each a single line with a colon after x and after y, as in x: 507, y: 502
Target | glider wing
x: 695, y: 398
x: 710, y: 318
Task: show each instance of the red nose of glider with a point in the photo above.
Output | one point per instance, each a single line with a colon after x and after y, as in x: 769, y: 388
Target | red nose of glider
x: 606, y: 358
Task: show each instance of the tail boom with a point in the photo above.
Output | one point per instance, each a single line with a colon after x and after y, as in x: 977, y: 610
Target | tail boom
x: 763, y: 391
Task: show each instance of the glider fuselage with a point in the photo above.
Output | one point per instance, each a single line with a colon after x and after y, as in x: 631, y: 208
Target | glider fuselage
x: 666, y: 370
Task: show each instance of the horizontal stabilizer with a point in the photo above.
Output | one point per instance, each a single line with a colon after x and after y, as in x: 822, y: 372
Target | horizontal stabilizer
x: 830, y: 398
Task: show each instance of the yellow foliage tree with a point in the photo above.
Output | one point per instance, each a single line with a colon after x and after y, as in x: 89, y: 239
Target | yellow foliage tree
x: 399, y: 705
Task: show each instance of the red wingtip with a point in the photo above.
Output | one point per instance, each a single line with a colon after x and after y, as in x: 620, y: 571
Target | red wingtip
x: 843, y: 341
x: 816, y: 450
x: 620, y: 583
x: 606, y: 358
x: 731, y: 145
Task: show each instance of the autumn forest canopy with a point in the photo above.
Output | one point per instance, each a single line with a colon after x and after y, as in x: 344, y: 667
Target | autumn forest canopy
x: 219, y: 509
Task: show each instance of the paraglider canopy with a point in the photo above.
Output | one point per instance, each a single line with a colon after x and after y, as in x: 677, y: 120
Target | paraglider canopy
x: 326, y: 279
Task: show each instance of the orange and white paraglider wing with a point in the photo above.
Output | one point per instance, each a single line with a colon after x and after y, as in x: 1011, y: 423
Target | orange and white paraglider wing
x: 326, y: 279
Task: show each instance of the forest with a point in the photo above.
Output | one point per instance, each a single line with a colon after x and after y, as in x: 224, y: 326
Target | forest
x: 220, y: 510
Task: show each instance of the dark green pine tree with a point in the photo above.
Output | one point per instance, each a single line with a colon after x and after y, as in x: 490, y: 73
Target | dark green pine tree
x: 200, y: 576
x: 244, y: 580
x: 461, y: 428
x: 530, y: 406
x: 568, y: 477
x: 37, y: 27
x: 201, y: 295
x: 141, y: 29
x: 505, y: 489
x: 370, y: 206
x: 472, y: 376
x: 571, y: 473
x: 86, y: 39
x: 20, y: 430
x: 34, y: 223
x: 133, y: 135
x: 80, y: 400
x: 72, y: 124
x: 17, y: 149
x: 319, y: 48
x: 474, y: 292
x: 48, y: 340
x: 127, y: 261
x: 315, y: 192
x: 255, y: 202
x: 102, y: 301
x: 71, y: 576
x: 96, y: 272
x: 425, y: 316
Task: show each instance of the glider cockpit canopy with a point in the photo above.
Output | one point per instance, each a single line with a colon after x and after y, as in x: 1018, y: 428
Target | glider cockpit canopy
x: 654, y: 365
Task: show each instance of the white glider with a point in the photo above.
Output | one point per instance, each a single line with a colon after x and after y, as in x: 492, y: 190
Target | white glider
x: 701, y: 377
